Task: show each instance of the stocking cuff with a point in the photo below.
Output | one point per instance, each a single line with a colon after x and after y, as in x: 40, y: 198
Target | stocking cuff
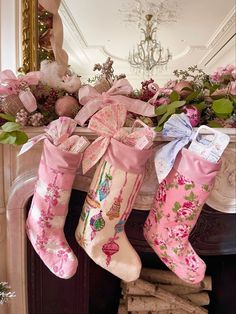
x: 197, y: 168
x: 59, y: 159
x: 126, y: 157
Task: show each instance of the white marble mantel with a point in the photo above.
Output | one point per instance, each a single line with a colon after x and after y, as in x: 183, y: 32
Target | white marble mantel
x: 17, y: 179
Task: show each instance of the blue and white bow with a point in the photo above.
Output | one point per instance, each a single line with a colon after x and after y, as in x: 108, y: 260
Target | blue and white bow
x: 178, y: 127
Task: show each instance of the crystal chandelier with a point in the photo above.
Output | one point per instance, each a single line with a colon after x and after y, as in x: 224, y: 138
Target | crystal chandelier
x: 149, y: 53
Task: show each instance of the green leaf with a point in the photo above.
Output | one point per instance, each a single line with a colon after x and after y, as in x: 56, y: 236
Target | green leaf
x: 174, y: 96
x: 214, y: 124
x: 164, y: 118
x: 158, y: 128
x: 7, y: 138
x: 222, y: 108
x: 192, y: 96
x: 159, y: 111
x: 7, y: 117
x: 200, y: 106
x: 176, y: 207
x: 21, y: 138
x: 175, y: 104
x: 10, y: 126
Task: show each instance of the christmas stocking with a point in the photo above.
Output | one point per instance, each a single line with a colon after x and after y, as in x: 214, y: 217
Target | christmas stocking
x: 60, y: 159
x: 113, y: 190
x: 178, y: 203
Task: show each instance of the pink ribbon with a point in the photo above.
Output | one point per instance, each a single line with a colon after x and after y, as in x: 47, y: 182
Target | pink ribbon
x: 56, y: 39
x: 11, y: 84
x: 107, y: 123
x: 92, y: 101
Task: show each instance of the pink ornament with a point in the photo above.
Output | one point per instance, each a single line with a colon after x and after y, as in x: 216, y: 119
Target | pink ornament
x: 179, y: 88
x: 193, y: 114
x: 67, y: 106
x: 109, y: 249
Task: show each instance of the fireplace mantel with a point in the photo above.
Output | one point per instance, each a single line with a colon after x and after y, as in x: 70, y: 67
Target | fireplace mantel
x: 18, y: 176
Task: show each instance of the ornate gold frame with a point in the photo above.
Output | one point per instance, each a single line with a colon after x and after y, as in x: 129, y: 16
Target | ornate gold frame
x: 29, y: 35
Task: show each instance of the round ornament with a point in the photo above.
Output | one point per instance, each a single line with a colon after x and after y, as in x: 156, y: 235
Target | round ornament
x: 67, y: 106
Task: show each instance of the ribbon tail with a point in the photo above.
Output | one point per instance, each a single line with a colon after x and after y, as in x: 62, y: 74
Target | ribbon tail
x: 165, y: 157
x: 27, y: 146
x: 28, y: 100
x: 87, y: 111
x: 135, y: 105
x: 94, y: 152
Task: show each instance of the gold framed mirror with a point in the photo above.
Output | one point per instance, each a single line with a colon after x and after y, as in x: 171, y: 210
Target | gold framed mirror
x: 29, y: 35
x: 36, y: 30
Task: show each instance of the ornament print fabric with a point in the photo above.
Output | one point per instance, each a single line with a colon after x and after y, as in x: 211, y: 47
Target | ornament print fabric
x: 49, y: 206
x: 113, y: 190
x: 176, y: 208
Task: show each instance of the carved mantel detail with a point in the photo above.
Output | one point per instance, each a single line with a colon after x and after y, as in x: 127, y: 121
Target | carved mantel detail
x: 19, y: 174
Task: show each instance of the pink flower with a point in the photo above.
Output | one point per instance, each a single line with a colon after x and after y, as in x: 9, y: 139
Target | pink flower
x: 232, y: 88
x: 52, y: 194
x: 185, y: 212
x: 192, y: 262
x: 182, y: 180
x: 45, y: 218
x: 160, y: 243
x: 161, y: 195
x: 220, y: 74
x: 179, y: 231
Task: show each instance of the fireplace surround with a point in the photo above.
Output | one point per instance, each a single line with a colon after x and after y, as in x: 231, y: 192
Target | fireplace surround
x: 213, y: 235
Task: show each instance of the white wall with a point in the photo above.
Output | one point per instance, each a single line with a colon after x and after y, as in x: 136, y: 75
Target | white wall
x: 9, y: 34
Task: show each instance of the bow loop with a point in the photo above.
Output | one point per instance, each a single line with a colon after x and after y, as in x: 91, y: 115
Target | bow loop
x: 92, y: 101
x: 178, y: 127
x: 11, y: 84
x: 56, y: 132
x: 107, y: 123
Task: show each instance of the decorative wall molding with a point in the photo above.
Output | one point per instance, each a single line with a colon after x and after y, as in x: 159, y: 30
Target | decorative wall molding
x: 228, y: 25
x: 219, y: 39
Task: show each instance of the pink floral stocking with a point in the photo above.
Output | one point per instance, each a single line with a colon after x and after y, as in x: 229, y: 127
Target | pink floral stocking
x: 177, y: 206
x: 49, y: 209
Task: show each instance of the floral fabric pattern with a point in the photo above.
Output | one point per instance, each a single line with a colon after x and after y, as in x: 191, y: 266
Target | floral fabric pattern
x: 46, y: 220
x: 176, y: 208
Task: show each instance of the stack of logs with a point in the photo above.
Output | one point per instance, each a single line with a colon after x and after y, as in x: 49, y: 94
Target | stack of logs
x: 162, y: 292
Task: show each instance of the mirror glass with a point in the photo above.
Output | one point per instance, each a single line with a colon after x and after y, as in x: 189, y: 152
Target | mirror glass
x: 194, y: 33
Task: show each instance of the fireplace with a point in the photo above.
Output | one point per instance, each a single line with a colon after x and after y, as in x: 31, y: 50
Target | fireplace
x: 213, y: 236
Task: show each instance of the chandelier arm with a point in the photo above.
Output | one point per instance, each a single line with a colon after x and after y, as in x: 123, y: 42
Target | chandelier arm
x: 149, y: 53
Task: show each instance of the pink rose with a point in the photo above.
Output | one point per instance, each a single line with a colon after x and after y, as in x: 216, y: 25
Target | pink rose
x: 179, y: 231
x: 184, y: 212
x: 192, y: 262
x: 160, y: 243
x: 182, y: 180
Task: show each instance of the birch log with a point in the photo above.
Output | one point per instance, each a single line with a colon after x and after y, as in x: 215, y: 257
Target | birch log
x: 170, y: 298
x: 122, y: 309
x: 139, y: 303
x: 160, y: 312
x: 131, y: 288
x: 167, y: 277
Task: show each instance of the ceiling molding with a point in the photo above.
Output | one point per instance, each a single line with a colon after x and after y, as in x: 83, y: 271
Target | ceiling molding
x: 227, y: 26
x: 73, y: 28
x: 223, y: 35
